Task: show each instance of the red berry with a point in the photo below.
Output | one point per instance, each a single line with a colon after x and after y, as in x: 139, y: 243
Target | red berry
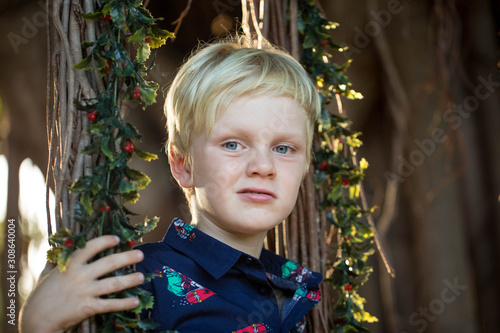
x: 92, y: 115
x: 131, y: 243
x: 147, y: 40
x: 68, y: 242
x: 104, y: 208
x: 347, y: 238
x: 345, y: 182
x: 118, y: 327
x: 106, y: 67
x: 325, y: 42
x: 106, y: 17
x: 323, y: 165
x: 340, y: 321
x: 129, y: 147
x: 137, y: 93
x: 347, y: 287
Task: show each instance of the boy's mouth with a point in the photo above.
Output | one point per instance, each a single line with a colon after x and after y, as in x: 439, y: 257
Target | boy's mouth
x: 257, y: 192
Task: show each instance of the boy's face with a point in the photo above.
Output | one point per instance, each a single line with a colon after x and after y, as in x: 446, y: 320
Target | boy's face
x: 246, y: 174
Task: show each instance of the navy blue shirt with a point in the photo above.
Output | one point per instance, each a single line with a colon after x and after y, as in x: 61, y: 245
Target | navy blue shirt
x: 204, y: 285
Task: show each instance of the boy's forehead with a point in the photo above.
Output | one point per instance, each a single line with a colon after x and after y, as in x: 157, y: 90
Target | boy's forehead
x: 274, y: 113
x: 279, y: 108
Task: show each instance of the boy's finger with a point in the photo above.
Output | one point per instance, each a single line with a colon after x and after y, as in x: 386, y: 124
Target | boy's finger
x: 113, y: 262
x: 115, y: 304
x: 93, y: 247
x: 118, y: 283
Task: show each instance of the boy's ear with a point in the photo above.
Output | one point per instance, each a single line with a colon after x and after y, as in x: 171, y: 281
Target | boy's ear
x: 180, y: 170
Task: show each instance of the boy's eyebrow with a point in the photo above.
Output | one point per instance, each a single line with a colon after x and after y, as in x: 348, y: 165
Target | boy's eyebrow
x: 281, y: 134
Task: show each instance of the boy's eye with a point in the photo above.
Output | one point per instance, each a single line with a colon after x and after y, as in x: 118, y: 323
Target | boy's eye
x: 231, y: 145
x: 282, y: 149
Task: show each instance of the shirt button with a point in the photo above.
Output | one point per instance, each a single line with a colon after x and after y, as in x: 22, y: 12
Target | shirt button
x: 264, y: 290
x: 249, y: 260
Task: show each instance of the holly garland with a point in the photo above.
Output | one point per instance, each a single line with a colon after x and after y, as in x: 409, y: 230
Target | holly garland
x: 337, y: 172
x: 112, y: 184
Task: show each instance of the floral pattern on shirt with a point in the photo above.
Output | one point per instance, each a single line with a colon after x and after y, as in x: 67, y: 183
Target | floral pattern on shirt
x: 182, y: 286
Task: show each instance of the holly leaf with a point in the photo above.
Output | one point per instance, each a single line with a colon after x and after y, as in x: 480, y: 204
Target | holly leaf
x: 156, y: 42
x: 63, y: 258
x: 105, y: 148
x: 147, y: 324
x: 117, y: 11
x: 53, y: 254
x: 148, y: 95
x: 91, y: 16
x: 139, y: 178
x: 126, y: 72
x: 60, y: 236
x: 143, y: 52
x: 145, y: 155
x: 130, y: 197
x: 84, y: 63
x: 148, y: 225
x: 138, y: 36
x: 86, y: 202
x: 126, y: 186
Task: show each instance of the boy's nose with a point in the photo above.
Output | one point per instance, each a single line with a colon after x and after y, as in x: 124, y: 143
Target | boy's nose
x: 261, y: 164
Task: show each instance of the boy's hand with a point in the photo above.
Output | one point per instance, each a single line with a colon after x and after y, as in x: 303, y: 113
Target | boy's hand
x: 63, y: 299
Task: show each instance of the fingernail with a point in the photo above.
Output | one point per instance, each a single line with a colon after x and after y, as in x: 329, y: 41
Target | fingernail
x: 117, y: 239
x: 140, y: 254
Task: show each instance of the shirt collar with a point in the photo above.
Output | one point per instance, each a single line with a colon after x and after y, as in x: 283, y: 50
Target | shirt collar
x: 217, y: 258
x: 213, y: 255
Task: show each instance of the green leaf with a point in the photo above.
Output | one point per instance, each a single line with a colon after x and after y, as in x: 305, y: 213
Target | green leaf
x: 80, y: 185
x: 126, y: 186
x: 138, y: 36
x: 123, y: 231
x: 91, y: 16
x: 363, y: 230
x: 126, y: 72
x: 106, y: 148
x: 130, y: 197
x: 117, y: 11
x: 86, y: 44
x: 139, y: 178
x: 61, y: 235
x: 146, y: 301
x: 156, y: 42
x: 84, y: 63
x: 143, y: 52
x: 148, y: 225
x: 148, y: 95
x: 145, y: 155
x: 53, y: 254
x: 63, y: 258
x: 87, y: 203
x: 147, y: 324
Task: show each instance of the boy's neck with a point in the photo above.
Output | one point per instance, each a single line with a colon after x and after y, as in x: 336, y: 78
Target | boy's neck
x: 249, y: 244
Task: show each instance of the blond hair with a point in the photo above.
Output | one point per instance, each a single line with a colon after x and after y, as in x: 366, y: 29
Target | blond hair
x: 221, y: 72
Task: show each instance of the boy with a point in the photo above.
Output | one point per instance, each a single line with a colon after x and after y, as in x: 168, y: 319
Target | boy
x: 240, y: 124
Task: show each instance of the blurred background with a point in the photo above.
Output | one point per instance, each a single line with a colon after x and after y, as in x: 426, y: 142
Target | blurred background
x: 431, y: 130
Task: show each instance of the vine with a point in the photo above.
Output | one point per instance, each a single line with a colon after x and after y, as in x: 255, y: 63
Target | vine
x: 111, y: 183
x: 337, y: 171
